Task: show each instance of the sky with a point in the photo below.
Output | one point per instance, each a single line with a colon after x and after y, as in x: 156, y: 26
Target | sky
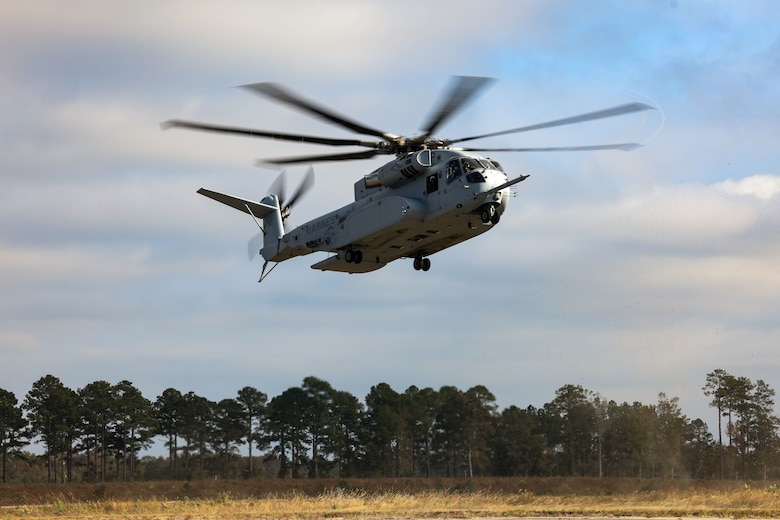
x: 629, y: 273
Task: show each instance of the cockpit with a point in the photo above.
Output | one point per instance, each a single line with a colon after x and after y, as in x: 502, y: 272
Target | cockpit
x: 472, y: 167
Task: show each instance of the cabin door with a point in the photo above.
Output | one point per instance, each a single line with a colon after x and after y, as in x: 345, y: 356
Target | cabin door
x: 433, y: 193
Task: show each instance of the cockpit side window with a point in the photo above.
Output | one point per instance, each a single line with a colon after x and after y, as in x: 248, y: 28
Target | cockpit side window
x: 453, y: 170
x: 475, y: 177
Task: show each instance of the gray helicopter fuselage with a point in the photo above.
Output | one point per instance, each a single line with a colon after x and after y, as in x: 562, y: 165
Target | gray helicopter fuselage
x: 413, y: 207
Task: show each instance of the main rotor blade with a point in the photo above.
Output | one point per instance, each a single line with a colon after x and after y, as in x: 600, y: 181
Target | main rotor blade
x: 590, y: 116
x: 622, y: 146
x: 279, y: 93
x: 193, y: 125
x: 321, y: 158
x: 463, y: 88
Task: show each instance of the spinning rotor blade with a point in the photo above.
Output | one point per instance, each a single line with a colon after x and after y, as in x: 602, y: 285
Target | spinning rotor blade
x: 279, y: 188
x: 322, y: 158
x: 305, y: 186
x: 463, y: 88
x: 193, y: 125
x: 590, y: 116
x: 279, y: 93
x: 622, y: 146
x: 254, y: 245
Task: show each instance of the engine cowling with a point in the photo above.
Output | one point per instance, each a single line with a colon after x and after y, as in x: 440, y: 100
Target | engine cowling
x: 400, y: 171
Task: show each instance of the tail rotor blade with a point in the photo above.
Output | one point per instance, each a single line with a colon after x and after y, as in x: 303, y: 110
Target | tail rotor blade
x: 306, y: 184
x: 279, y: 188
x: 254, y: 245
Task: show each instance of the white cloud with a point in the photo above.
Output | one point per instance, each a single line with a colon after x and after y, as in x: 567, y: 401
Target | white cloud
x: 763, y: 187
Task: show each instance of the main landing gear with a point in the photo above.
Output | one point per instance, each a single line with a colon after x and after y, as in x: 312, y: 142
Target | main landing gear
x: 421, y: 263
x: 353, y: 256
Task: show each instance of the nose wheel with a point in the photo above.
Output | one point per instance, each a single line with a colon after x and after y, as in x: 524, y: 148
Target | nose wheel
x: 489, y: 214
x: 421, y: 263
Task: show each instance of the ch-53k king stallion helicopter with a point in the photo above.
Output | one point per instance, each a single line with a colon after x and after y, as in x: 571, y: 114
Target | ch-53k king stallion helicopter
x: 430, y: 197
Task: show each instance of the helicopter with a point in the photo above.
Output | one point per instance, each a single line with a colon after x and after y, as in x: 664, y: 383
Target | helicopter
x: 430, y: 197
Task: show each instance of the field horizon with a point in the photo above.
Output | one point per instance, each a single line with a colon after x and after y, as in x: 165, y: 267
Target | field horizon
x: 393, y: 498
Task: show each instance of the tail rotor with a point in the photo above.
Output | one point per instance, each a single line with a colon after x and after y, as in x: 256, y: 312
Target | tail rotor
x: 279, y: 188
x: 306, y: 184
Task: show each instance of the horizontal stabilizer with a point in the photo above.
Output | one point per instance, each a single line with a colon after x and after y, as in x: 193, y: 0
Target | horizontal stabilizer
x: 335, y: 263
x: 258, y: 209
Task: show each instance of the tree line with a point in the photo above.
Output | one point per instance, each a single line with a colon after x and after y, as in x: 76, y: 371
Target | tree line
x: 98, y: 433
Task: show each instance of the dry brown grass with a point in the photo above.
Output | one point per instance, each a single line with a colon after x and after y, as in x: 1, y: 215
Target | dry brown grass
x: 396, y: 499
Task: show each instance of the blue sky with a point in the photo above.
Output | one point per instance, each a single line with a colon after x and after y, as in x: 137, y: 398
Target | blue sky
x: 628, y: 273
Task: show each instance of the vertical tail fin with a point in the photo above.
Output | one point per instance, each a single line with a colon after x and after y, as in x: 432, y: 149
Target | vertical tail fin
x: 268, y: 210
x: 273, y: 228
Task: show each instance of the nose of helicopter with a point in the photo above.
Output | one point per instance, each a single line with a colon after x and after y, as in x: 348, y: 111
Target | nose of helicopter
x: 491, y: 197
x: 493, y: 180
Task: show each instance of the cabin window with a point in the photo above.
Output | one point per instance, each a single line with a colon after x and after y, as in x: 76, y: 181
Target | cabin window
x: 432, y: 183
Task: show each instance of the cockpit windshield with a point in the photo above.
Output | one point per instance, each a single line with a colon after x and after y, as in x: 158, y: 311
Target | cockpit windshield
x: 472, y: 167
x: 471, y: 164
x: 495, y: 164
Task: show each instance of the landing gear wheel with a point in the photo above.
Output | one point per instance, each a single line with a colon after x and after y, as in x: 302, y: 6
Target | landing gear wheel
x: 496, y: 218
x: 353, y: 256
x: 421, y: 263
x: 488, y: 214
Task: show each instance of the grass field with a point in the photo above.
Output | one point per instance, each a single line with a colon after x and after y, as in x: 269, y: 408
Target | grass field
x: 401, y: 498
